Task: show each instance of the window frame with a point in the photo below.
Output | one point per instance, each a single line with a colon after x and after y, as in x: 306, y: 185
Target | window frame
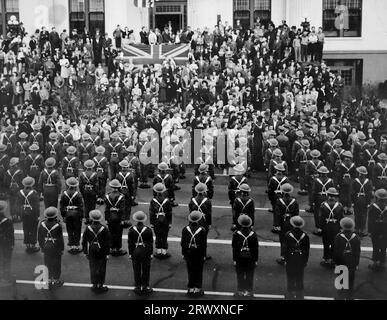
x: 5, y: 15
x: 357, y: 13
x: 87, y: 17
x: 251, y: 10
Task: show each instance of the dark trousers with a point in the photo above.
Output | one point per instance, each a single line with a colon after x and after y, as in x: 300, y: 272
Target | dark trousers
x: 295, y: 278
x: 245, y: 276
x: 5, y: 262
x: 50, y: 196
x: 115, y: 229
x: 328, y: 246
x: 161, y: 234
x: 144, y: 173
x: 74, y: 226
x: 13, y: 205
x: 30, y: 229
x: 97, y: 270
x: 360, y: 217
x: 316, y: 214
x: 141, y: 270
x: 53, y: 262
x: 195, y: 272
x: 379, y: 245
x: 90, y: 203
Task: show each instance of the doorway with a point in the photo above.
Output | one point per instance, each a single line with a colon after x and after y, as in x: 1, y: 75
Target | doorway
x: 164, y: 20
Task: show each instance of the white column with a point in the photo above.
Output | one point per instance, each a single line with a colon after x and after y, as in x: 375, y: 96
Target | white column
x: 278, y: 11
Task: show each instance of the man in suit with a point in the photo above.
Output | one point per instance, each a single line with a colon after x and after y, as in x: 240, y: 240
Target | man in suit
x: 98, y: 45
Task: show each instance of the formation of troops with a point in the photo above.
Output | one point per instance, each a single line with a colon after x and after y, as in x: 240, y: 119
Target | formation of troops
x: 106, y: 174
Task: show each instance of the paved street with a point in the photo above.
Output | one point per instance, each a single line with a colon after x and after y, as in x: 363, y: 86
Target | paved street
x: 169, y: 277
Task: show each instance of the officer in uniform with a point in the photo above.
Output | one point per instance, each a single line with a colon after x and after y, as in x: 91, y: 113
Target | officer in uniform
x: 328, y: 148
x: 34, y: 163
x: 370, y: 157
x: 276, y: 160
x: 50, y: 184
x: 72, y: 210
x: 296, y: 147
x: 134, y: 167
x: 245, y: 248
x: 207, y: 152
x: 51, y: 242
x: 243, y: 204
x: 336, y: 155
x: 7, y: 242
x: 29, y: 208
x: 160, y: 216
x: 144, y: 148
x: 359, y: 149
x: 102, y: 169
x: 311, y: 173
x: 86, y: 148
x: 361, y: 199
x: 302, y: 157
x: 70, y: 164
x: 140, y: 244
x: 22, y: 149
x: 193, y: 248
x: 88, y: 186
x: 96, y: 247
x: 235, y: 182
x: 95, y: 138
x: 377, y: 227
x: 114, y: 150
x: 202, y: 204
x: 66, y: 140
x: 268, y: 155
x: 296, y: 254
x: 286, y: 208
x: 166, y: 179
x: 53, y: 148
x: 380, y: 172
x: 331, y: 213
x: 13, y: 183
x: 4, y: 166
x: 36, y: 137
x: 344, y: 175
x: 274, y: 188
x: 9, y: 139
x: 346, y: 252
x: 203, y: 177
x: 175, y: 158
x: 126, y: 178
x: 116, y: 217
x: 320, y: 187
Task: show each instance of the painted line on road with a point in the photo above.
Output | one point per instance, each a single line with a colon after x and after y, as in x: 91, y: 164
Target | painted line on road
x: 228, y: 242
x: 216, y: 207
x: 210, y: 293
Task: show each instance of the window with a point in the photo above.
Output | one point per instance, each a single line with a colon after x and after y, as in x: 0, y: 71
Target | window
x: 248, y: 11
x: 8, y: 8
x: 89, y: 14
x: 342, y: 18
x: 262, y: 10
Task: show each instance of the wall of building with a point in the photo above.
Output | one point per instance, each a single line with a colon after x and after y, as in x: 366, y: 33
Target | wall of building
x: 203, y: 13
x: 37, y: 13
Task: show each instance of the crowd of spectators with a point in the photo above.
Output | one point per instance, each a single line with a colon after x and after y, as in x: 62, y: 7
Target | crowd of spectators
x: 261, y: 79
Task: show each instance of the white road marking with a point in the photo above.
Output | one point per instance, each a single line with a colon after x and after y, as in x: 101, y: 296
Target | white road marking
x: 228, y: 242
x: 216, y: 207
x: 211, y: 293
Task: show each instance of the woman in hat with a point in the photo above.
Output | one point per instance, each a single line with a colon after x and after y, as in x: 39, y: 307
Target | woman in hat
x: 29, y: 210
x: 193, y: 248
x: 346, y: 252
x: 96, y: 247
x: 245, y: 248
x: 51, y: 242
x: 362, y: 189
x: 140, y: 245
x: 377, y: 227
x: 296, y: 254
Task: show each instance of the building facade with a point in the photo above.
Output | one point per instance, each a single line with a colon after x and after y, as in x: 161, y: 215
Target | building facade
x: 356, y: 35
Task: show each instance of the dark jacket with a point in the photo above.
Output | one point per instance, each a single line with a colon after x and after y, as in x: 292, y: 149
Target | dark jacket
x: 7, y: 236
x: 51, y: 232
x: 238, y: 242
x: 134, y: 242
x: 187, y: 242
x: 291, y: 247
x: 100, y: 237
x: 346, y: 250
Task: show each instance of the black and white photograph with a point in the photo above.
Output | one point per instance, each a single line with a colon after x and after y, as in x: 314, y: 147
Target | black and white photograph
x: 217, y: 153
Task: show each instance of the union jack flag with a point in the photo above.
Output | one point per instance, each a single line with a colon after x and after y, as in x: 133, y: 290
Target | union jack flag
x: 156, y: 54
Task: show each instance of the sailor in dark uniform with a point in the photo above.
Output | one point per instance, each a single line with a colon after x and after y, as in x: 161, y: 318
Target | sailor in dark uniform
x: 50, y: 184
x: 88, y: 186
